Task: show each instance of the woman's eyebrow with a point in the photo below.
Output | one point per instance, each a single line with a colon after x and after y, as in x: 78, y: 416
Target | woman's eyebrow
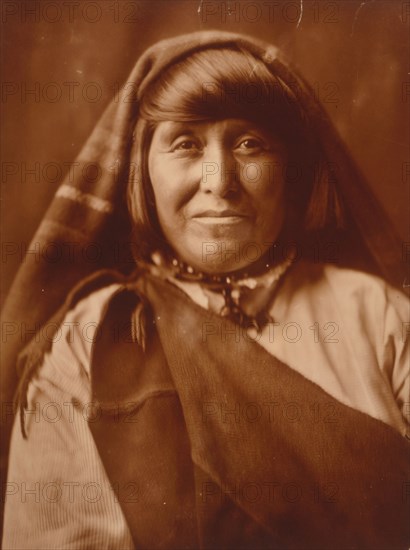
x: 172, y: 130
x: 168, y: 134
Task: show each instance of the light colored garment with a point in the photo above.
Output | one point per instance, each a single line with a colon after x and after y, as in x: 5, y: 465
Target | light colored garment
x: 342, y: 329
x: 63, y: 498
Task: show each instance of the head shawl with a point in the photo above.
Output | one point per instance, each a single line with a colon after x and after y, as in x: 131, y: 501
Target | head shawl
x: 86, y: 221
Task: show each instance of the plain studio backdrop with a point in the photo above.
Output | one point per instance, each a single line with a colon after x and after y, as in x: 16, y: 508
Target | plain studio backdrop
x: 62, y: 63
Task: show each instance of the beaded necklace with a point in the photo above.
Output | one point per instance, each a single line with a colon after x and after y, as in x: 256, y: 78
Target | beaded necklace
x: 232, y: 286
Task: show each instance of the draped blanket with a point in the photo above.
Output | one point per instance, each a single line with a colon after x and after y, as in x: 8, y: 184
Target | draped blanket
x: 211, y: 442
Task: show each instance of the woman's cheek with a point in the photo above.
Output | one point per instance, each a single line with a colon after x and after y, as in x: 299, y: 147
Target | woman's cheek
x: 171, y: 197
x: 253, y: 171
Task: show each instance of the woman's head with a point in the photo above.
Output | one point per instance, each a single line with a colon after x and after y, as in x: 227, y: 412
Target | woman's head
x: 216, y: 190
x: 218, y: 133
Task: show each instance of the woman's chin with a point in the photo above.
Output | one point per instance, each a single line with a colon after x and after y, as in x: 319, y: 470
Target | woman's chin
x: 220, y: 268
x: 216, y: 257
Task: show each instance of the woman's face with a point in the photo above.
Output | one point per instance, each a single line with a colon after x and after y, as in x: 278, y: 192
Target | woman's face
x: 219, y: 191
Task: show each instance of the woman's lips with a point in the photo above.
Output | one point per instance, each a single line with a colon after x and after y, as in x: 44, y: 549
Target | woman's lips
x: 209, y: 220
x: 220, y: 216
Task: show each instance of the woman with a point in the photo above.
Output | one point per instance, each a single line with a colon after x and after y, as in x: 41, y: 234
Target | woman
x: 236, y: 390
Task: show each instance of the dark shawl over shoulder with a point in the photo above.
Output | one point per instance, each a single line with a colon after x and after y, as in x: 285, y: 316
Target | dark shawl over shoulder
x: 196, y: 441
x: 197, y: 427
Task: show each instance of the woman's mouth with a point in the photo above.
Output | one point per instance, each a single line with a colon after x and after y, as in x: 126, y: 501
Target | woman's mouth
x: 227, y: 216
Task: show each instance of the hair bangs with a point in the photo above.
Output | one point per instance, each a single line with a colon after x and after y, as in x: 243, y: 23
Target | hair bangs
x: 216, y: 84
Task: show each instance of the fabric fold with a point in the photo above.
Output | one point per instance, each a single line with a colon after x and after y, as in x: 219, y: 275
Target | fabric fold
x: 251, y: 451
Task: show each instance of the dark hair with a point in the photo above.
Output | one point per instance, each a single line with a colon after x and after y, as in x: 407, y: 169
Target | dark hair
x: 220, y: 83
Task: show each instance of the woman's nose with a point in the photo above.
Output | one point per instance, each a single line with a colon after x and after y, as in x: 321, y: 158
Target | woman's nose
x: 219, y: 171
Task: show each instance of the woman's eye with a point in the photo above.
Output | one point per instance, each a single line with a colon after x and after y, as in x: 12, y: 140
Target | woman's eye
x: 187, y: 145
x: 251, y: 144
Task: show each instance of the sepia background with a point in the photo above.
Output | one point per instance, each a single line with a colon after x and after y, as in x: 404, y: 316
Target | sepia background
x: 62, y: 63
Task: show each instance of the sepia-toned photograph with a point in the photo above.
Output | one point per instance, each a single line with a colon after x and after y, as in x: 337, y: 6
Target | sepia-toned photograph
x: 205, y: 266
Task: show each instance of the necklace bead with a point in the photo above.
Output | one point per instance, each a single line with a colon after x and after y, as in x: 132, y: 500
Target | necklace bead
x: 231, y: 287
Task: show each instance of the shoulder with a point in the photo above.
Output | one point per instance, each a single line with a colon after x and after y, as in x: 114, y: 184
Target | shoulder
x: 90, y: 308
x: 344, y: 283
x: 364, y: 301
x: 65, y: 368
x: 372, y: 294
x: 77, y: 331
